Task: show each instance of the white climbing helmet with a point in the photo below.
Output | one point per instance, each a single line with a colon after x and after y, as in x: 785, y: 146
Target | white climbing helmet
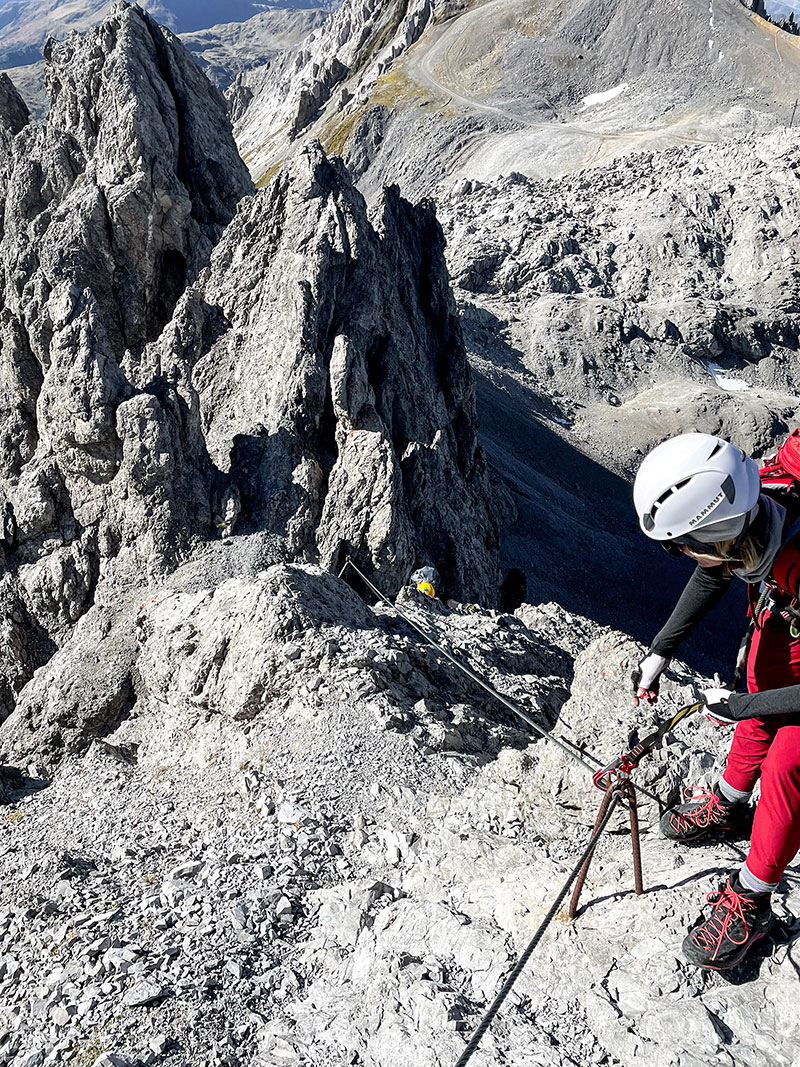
x: 695, y: 484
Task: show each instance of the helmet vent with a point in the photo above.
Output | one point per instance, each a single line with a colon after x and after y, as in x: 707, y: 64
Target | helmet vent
x: 668, y: 493
x: 729, y: 489
x: 717, y: 446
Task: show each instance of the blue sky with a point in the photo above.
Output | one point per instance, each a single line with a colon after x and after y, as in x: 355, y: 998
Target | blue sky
x: 774, y: 6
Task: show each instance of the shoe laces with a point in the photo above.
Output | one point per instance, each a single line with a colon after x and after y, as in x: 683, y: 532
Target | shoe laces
x: 728, y: 907
x: 705, y: 814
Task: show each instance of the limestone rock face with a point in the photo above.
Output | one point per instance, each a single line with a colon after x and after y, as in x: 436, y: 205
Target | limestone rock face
x: 276, y: 103
x: 156, y: 131
x: 334, y: 388
x: 108, y: 211
x: 308, y: 381
x: 80, y: 694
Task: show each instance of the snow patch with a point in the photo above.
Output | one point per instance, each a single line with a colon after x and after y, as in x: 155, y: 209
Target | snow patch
x: 733, y: 385
x: 601, y: 98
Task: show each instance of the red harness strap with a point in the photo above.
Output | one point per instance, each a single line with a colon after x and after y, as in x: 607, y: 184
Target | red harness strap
x: 786, y: 568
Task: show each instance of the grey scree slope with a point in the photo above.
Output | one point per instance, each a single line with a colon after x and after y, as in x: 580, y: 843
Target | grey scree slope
x: 276, y: 831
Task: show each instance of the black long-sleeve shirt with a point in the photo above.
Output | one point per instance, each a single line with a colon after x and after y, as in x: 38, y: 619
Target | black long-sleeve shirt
x: 703, y: 591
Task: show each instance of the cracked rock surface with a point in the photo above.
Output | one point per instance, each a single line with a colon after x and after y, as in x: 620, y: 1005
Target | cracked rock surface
x: 360, y: 863
x: 249, y: 815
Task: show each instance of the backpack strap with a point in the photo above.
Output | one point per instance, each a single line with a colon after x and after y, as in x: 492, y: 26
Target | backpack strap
x: 786, y: 568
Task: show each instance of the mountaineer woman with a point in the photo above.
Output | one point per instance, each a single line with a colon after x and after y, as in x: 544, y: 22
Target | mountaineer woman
x: 704, y: 498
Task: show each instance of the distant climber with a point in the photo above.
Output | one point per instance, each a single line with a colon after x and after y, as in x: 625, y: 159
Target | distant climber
x: 426, y: 580
x: 704, y: 498
x: 513, y: 591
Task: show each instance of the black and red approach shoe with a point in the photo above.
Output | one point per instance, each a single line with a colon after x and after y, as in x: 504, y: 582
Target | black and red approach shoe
x: 738, y: 921
x: 704, y: 814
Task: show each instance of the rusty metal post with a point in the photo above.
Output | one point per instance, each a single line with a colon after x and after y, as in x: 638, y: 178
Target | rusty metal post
x: 576, y: 892
x: 625, y: 787
x: 630, y: 794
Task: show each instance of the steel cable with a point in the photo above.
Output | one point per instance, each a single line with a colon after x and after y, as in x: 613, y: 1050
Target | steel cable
x: 497, y: 1003
x: 574, y: 751
x: 581, y: 756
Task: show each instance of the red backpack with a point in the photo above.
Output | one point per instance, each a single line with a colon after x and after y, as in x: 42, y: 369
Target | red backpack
x: 780, y: 479
x: 782, y: 472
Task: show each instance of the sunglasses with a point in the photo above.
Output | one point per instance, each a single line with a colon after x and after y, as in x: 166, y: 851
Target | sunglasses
x: 674, y: 546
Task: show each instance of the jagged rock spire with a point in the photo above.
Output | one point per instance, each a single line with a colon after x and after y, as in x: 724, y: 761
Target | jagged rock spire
x: 109, y: 209
x: 14, y: 114
x: 336, y: 388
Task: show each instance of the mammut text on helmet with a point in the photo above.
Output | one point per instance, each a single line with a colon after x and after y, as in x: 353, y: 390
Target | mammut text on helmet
x: 709, y: 507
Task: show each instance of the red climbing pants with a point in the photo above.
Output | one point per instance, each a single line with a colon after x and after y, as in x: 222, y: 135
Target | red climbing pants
x: 770, y: 749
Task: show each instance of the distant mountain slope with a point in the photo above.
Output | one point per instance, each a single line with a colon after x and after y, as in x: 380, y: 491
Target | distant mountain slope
x: 223, y: 50
x: 26, y: 24
x: 226, y: 50
x: 423, y: 93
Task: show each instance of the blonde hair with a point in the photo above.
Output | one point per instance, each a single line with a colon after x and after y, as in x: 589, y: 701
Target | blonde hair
x: 748, y: 556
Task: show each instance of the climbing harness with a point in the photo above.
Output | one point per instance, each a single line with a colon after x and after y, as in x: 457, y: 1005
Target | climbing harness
x: 614, y: 778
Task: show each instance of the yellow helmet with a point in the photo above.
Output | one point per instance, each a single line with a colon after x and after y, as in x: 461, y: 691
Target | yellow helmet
x: 426, y: 588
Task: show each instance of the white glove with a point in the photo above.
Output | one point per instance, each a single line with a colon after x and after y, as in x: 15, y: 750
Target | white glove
x: 716, y: 706
x: 646, y: 678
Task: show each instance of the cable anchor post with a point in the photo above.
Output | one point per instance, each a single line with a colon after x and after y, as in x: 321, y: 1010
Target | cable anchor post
x: 620, y: 786
x: 615, y: 780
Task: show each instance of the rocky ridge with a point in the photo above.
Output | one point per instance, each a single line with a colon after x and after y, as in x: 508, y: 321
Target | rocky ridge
x: 338, y: 399
x: 254, y: 819
x: 109, y: 209
x: 357, y: 866
x: 310, y: 376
